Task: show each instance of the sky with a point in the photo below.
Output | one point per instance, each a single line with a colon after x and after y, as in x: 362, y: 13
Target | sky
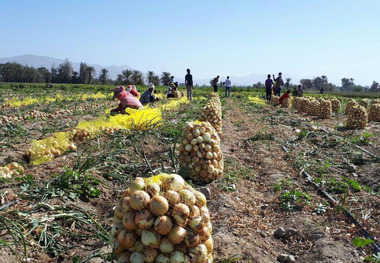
x: 301, y: 38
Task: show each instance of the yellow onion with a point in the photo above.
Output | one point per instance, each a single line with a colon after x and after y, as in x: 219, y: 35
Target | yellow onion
x: 162, y: 259
x: 138, y: 247
x: 172, y: 197
x: 137, y: 184
x: 204, y: 233
x: 198, y: 254
x: 163, y: 225
x: 126, y: 238
x: 206, y: 137
x: 124, y: 257
x: 144, y: 219
x: 177, y: 235
x: 138, y: 231
x: 200, y: 199
x: 192, y: 239
x: 176, y: 182
x: 150, y: 254
x: 116, y: 229
x: 180, y: 213
x: 139, y: 199
x: 194, y: 211
x: 177, y: 257
x: 129, y: 220
x: 166, y: 246
x: 196, y: 223
x: 187, y: 197
x: 118, y: 212
x: 150, y: 239
x: 124, y: 204
x: 137, y: 257
x: 152, y: 189
x: 159, y: 205
x: 209, y: 243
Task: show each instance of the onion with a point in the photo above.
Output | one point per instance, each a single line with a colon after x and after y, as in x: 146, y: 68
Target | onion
x: 124, y: 257
x: 192, y: 239
x: 187, y: 197
x: 139, y: 199
x: 166, y: 246
x: 177, y: 257
x: 163, y: 225
x: 177, y: 235
x: 150, y: 254
x: 200, y: 199
x: 126, y: 238
x: 137, y: 257
x: 152, y: 189
x: 180, y: 213
x: 129, y: 220
x: 162, y: 259
x: 209, y: 155
x: 116, y: 229
x: 172, y: 197
x: 204, y: 210
x: 196, y: 132
x: 199, y: 139
x: 176, y: 182
x: 124, y: 204
x: 188, y: 147
x: 159, y: 205
x: 138, y: 247
x: 149, y: 239
x: 206, y: 136
x: 208, y: 148
x: 198, y: 254
x: 144, y: 219
x: 118, y: 212
x: 196, y: 223
x: 194, y: 211
x: 209, y: 243
x: 204, y: 233
x: 194, y: 142
x: 137, y: 184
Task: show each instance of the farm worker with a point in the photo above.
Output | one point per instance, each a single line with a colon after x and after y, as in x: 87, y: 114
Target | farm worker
x: 189, y: 85
x: 279, y: 83
x: 148, y: 95
x: 299, y: 91
x: 228, y: 87
x: 127, y: 98
x: 268, y: 88
x: 215, y: 83
x: 286, y: 95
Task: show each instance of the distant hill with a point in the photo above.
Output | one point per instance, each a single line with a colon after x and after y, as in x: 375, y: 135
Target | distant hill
x: 48, y: 62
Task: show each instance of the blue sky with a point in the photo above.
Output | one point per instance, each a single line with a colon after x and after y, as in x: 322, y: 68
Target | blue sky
x: 301, y: 38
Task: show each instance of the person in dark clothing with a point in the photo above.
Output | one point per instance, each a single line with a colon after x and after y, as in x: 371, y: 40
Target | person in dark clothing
x: 189, y: 85
x: 148, y: 95
x: 299, y: 91
x: 268, y: 88
x: 279, y: 83
x: 215, y: 83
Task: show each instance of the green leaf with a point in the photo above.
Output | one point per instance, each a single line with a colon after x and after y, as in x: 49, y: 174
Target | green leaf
x: 361, y: 242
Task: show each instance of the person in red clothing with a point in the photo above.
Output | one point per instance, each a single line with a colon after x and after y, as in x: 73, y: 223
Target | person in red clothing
x: 127, y: 98
x: 284, y: 96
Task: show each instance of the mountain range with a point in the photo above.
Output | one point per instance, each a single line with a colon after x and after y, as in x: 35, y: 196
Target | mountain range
x: 49, y: 62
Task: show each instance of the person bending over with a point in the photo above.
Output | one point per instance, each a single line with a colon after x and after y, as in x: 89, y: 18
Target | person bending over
x: 127, y: 98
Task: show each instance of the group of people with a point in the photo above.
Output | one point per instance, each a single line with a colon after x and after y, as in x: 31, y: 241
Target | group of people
x: 273, y: 87
x: 129, y: 97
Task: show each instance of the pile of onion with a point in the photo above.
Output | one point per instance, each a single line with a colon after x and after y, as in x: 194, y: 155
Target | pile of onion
x: 351, y: 103
x: 212, y: 113
x: 10, y: 170
x: 335, y: 105
x: 325, y: 109
x: 82, y: 134
x: 275, y: 100
x: 312, y: 107
x: 296, y: 103
x: 178, y: 94
x: 286, y: 103
x: 374, y: 111
x: 357, y: 117
x: 162, y: 219
x: 200, y: 155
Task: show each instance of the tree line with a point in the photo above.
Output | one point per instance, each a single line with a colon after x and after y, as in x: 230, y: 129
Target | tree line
x: 64, y: 73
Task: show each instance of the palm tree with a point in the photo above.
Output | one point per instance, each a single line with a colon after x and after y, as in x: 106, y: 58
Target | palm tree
x: 91, y: 73
x: 165, y: 78
x: 103, y: 76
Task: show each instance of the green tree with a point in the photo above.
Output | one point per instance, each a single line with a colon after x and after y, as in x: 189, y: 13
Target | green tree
x: 165, y: 78
x: 347, y: 84
x: 83, y: 72
x: 125, y: 77
x: 137, y: 77
x: 374, y: 87
x: 152, y: 78
x: 65, y: 72
x: 306, y: 83
x: 91, y: 74
x: 103, y: 77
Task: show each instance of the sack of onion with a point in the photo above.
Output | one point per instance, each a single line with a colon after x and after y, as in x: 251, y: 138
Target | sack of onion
x: 200, y: 155
x: 364, y: 103
x: 212, y: 114
x: 274, y: 100
x: 325, y: 109
x: 357, y: 117
x: 374, y: 112
x: 335, y: 105
x: 312, y: 107
x: 286, y: 103
x: 351, y: 103
x: 178, y: 94
x: 162, y: 219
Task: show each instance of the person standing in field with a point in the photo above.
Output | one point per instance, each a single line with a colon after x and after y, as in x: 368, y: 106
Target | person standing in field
x: 299, y: 91
x: 189, y: 85
x: 215, y: 83
x: 227, y: 92
x: 279, y: 83
x: 268, y: 88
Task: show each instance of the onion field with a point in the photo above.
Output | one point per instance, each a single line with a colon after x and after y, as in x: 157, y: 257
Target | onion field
x: 215, y: 179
